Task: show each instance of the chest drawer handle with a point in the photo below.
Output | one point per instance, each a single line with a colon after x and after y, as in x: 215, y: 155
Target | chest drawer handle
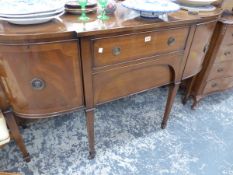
x: 116, y: 51
x: 220, y: 69
x: 214, y: 85
x: 206, y: 48
x: 171, y: 41
x: 38, y: 84
x: 227, y: 53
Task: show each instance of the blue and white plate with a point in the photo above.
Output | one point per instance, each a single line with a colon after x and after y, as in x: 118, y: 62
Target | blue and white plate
x: 151, y: 8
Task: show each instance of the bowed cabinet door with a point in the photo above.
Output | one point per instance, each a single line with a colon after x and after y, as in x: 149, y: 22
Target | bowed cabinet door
x: 42, y: 79
x: 199, y: 48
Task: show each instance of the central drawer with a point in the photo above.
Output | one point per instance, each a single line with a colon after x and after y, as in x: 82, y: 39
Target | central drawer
x: 122, y: 48
x: 132, y: 78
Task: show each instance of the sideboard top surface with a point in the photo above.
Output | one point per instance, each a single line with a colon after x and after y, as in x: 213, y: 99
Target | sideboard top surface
x: 123, y: 20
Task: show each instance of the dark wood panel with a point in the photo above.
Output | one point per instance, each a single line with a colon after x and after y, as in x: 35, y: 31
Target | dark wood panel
x: 117, y: 49
x: 55, y: 66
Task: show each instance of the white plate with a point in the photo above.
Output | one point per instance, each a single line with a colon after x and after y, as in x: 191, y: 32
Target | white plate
x: 196, y: 2
x: 36, y: 15
x: 155, y: 6
x: 27, y: 21
x: 19, y: 7
x: 208, y: 8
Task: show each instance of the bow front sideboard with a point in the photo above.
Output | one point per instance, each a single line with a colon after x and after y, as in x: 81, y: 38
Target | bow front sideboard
x: 65, y: 65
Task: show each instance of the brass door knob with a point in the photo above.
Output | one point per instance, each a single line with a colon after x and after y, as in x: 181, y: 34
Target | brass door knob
x: 214, y: 85
x: 171, y: 41
x: 37, y: 84
x: 116, y: 51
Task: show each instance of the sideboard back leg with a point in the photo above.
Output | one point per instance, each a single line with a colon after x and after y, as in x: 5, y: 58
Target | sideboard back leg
x: 10, y: 120
x: 188, y: 90
x: 90, y: 132
x: 171, y: 97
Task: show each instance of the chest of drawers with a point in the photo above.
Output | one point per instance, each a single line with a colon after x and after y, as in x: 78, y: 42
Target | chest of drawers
x: 217, y: 74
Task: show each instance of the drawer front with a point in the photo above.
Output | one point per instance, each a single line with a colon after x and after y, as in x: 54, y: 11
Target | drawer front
x: 126, y: 80
x: 198, y: 49
x: 42, y: 79
x: 225, y: 53
x: 219, y: 84
x: 128, y: 47
x: 222, y: 69
x: 228, y: 37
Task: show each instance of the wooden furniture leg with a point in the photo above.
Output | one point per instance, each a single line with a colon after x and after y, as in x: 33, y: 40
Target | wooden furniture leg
x: 188, y: 90
x: 90, y: 132
x: 10, y: 120
x: 171, y: 97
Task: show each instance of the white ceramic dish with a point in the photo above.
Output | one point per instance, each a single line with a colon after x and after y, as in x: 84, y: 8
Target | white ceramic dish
x: 151, y: 8
x: 208, y: 8
x: 27, y: 21
x: 19, y: 7
x: 196, y: 2
x: 36, y: 15
x: 79, y: 11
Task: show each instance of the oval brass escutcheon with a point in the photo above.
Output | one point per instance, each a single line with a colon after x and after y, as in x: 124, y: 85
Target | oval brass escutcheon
x: 171, y: 41
x: 220, y: 69
x: 116, y: 51
x: 214, y: 85
x: 38, y: 84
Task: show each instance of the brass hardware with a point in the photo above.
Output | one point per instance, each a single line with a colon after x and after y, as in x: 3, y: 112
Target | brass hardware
x: 220, y: 69
x: 171, y: 41
x: 116, y: 51
x: 38, y: 84
x: 227, y: 53
x: 206, y: 48
x: 214, y: 85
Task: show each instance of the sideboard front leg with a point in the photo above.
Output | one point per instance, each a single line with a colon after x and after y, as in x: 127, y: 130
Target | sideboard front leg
x: 171, y: 97
x: 10, y: 120
x: 90, y: 132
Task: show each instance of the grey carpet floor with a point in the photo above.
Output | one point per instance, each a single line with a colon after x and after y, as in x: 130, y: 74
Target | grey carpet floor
x: 129, y: 139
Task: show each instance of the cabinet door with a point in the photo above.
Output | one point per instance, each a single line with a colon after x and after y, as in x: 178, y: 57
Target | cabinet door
x: 198, y: 49
x: 42, y: 79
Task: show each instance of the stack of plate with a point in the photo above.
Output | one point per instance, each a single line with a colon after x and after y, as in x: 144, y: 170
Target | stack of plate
x: 30, y: 11
x: 197, y: 5
x: 74, y: 8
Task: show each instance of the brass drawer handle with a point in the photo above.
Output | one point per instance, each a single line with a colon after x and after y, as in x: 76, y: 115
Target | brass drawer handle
x: 220, y: 69
x: 38, y: 84
x: 171, y: 41
x: 227, y: 53
x: 214, y: 85
x: 116, y: 51
x: 206, y: 48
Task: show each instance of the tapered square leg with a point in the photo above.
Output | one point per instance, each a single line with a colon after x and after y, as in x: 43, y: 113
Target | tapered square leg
x: 188, y: 90
x: 10, y: 120
x: 171, y: 97
x: 90, y: 133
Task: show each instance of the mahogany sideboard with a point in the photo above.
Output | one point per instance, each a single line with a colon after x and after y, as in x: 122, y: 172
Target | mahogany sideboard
x: 64, y: 65
x: 217, y: 74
